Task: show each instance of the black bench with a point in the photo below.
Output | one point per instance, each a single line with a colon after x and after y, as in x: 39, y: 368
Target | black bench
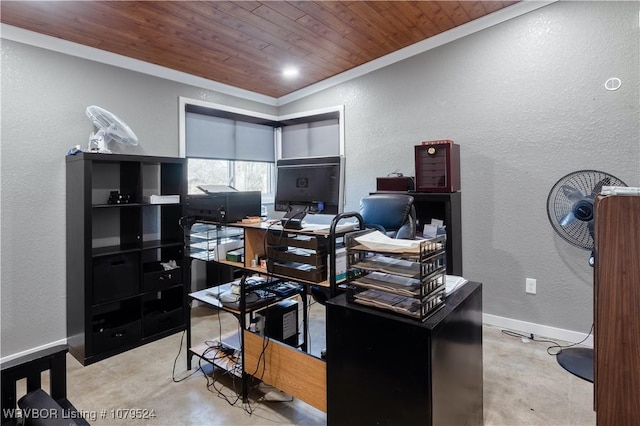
x: 38, y: 407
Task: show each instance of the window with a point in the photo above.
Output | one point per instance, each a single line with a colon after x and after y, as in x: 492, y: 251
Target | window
x: 314, y: 137
x: 233, y: 147
x: 228, y: 148
x: 241, y: 175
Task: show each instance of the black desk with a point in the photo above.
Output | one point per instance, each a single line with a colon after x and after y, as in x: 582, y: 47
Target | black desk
x: 388, y: 369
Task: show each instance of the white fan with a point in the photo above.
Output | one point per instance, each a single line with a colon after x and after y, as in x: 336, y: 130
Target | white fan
x: 110, y: 127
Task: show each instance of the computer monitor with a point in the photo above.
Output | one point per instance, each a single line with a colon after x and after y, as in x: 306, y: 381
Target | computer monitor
x: 308, y: 185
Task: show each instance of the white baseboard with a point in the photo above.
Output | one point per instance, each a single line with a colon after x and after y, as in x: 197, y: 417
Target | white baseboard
x: 493, y: 320
x: 538, y: 330
x: 30, y: 351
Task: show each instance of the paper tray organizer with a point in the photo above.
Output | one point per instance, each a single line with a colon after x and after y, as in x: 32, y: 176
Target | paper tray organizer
x: 411, y: 282
x: 297, y: 255
x: 300, y: 271
x: 414, y: 308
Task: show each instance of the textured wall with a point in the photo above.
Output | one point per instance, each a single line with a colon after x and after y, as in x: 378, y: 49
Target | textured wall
x: 526, y: 101
x: 44, y: 96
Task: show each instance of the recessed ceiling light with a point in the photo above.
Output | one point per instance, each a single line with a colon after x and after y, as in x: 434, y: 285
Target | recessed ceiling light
x: 290, y: 72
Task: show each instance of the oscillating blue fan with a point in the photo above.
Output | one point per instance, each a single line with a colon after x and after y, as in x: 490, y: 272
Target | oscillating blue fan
x: 570, y: 208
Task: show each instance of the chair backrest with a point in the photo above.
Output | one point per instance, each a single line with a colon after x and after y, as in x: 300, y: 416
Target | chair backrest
x: 393, y: 214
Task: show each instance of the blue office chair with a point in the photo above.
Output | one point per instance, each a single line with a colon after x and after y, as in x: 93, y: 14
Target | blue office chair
x: 392, y: 214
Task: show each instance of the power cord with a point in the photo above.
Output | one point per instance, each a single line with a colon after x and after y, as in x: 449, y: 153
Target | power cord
x: 175, y: 361
x: 221, y: 352
x: 310, y: 301
x: 555, y: 345
x: 261, y: 360
x: 234, y: 372
x: 211, y: 380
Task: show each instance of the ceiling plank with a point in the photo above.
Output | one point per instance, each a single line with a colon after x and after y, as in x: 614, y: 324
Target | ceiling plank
x: 246, y: 44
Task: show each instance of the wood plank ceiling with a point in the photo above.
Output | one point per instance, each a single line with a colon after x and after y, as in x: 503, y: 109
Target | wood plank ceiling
x: 247, y: 44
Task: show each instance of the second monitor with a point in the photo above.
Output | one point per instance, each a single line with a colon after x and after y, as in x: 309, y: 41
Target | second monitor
x: 309, y: 185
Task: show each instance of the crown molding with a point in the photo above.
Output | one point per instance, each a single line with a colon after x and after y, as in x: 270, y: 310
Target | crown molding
x: 32, y: 38
x: 74, y: 49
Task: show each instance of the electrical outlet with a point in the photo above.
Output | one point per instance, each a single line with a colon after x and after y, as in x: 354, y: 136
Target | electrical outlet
x: 530, y: 285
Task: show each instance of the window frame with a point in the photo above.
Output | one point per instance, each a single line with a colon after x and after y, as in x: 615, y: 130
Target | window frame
x: 282, y: 120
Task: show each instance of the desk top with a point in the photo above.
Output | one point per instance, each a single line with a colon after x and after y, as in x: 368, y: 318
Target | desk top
x: 271, y: 225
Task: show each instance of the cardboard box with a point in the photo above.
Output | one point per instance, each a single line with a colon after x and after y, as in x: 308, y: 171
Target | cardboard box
x: 235, y: 255
x: 341, y: 265
x: 221, y: 250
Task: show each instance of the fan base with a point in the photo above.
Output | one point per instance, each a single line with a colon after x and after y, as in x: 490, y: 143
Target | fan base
x: 577, y: 361
x: 100, y: 151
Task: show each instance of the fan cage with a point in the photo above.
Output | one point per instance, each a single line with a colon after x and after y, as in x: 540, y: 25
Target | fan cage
x: 110, y: 127
x: 589, y: 183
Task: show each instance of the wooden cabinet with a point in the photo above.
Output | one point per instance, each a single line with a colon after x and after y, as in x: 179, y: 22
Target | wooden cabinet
x: 617, y: 312
x: 124, y: 252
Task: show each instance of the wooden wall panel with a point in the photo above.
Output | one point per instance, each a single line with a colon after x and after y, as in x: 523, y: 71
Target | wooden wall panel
x: 295, y: 372
x: 247, y: 44
x: 617, y: 310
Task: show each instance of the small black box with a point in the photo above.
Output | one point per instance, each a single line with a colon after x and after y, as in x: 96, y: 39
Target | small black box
x: 395, y: 183
x: 115, y: 277
x: 281, y: 322
x: 224, y: 207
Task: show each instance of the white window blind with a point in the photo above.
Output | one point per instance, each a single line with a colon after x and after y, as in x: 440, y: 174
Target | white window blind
x: 228, y: 139
x: 312, y: 139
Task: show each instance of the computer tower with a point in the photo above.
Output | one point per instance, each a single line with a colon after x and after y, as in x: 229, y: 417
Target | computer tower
x: 280, y: 321
x: 437, y: 166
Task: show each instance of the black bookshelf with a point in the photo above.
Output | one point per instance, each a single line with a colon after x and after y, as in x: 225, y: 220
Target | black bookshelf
x: 119, y: 296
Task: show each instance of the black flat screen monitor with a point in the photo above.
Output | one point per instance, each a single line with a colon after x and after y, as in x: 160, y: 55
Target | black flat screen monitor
x: 309, y: 185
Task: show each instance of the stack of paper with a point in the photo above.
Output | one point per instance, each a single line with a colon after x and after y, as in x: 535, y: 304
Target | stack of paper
x: 453, y: 283
x: 377, y: 241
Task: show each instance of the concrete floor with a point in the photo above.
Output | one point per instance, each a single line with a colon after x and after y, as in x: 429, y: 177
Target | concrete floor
x: 523, y: 385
